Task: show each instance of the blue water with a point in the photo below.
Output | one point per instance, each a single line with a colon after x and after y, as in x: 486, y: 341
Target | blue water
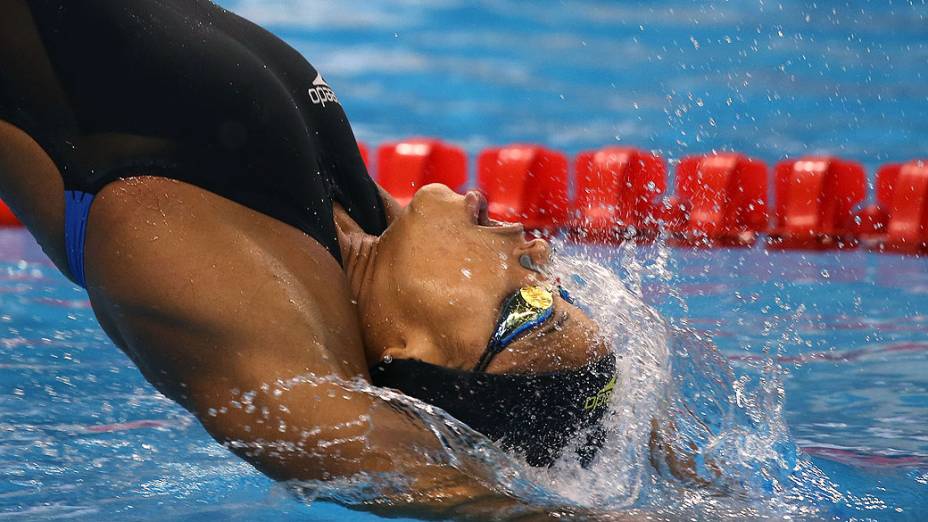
x: 768, y: 78
x: 83, y: 436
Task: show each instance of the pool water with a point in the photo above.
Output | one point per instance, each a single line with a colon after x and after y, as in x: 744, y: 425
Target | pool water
x: 850, y: 333
x: 83, y: 436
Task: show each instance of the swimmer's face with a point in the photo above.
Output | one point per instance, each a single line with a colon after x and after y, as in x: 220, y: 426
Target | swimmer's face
x: 444, y: 269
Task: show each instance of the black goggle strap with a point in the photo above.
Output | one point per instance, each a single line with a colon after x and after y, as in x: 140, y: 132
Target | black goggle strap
x: 517, y: 316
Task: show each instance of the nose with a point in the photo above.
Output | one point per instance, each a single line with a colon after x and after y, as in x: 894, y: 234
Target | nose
x: 472, y: 197
x: 533, y: 254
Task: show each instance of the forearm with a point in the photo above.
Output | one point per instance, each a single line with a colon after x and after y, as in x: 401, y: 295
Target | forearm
x: 449, y: 494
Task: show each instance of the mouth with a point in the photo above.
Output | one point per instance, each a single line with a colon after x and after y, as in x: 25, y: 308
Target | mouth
x: 479, y: 209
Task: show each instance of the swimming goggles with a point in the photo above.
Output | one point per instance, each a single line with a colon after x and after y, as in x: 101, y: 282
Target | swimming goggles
x: 521, y: 312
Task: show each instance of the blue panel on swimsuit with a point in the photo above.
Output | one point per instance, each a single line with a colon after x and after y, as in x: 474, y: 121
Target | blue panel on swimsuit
x: 76, y: 210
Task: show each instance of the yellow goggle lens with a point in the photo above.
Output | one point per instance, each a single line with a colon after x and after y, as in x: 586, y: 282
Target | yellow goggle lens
x: 537, y: 297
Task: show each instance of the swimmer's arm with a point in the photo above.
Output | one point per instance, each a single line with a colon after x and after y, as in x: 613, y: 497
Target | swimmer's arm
x: 329, y: 430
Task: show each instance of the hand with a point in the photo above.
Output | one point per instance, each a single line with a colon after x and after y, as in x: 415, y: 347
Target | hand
x: 668, y: 452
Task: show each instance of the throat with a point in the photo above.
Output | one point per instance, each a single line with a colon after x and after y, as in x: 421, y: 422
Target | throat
x: 359, y: 250
x: 358, y: 260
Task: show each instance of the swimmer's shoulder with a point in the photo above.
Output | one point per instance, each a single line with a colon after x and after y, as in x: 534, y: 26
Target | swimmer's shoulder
x: 205, y: 277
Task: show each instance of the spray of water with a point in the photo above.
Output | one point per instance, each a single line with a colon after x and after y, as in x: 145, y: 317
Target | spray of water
x: 685, y: 437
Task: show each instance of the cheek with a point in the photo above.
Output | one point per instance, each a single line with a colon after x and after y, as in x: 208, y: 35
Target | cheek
x: 462, y: 255
x: 461, y: 324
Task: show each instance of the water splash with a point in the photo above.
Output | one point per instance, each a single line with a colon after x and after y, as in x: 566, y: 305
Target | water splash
x: 732, y: 415
x: 685, y: 436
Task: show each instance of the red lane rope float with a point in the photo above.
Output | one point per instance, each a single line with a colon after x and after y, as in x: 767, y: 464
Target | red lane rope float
x: 365, y: 155
x: 721, y: 199
x: 7, y: 218
x: 405, y: 166
x: 616, y: 190
x: 900, y: 218
x: 815, y: 198
x: 525, y: 183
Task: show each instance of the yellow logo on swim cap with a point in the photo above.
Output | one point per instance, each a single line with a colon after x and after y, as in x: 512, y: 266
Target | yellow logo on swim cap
x: 537, y: 297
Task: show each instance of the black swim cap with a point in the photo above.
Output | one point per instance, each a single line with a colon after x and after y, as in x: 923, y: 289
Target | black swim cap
x: 535, y: 415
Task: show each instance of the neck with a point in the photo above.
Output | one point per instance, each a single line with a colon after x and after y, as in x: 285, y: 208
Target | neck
x: 359, y: 252
x: 358, y: 249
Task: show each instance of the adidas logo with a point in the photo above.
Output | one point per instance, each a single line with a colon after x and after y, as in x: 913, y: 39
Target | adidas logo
x: 320, y: 93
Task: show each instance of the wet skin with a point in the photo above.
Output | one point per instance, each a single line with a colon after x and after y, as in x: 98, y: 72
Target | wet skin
x: 430, y: 288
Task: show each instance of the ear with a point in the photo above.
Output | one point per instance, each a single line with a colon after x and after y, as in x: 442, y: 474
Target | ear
x: 537, y: 250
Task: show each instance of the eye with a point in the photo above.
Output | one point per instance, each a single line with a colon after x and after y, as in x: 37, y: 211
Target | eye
x: 555, y: 325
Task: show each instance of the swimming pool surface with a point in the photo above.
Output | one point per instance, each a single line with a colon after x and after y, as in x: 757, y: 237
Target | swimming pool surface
x: 83, y: 436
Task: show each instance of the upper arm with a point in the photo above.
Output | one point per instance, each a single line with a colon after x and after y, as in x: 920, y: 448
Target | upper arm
x: 317, y: 426
x: 308, y: 427
x: 284, y: 403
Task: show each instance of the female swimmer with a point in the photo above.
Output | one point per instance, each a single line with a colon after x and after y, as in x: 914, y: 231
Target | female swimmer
x: 187, y: 167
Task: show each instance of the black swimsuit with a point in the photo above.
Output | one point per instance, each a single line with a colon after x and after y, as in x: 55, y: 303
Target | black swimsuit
x: 185, y: 90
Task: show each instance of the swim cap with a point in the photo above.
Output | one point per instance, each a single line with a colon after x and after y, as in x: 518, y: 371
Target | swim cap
x: 535, y: 415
